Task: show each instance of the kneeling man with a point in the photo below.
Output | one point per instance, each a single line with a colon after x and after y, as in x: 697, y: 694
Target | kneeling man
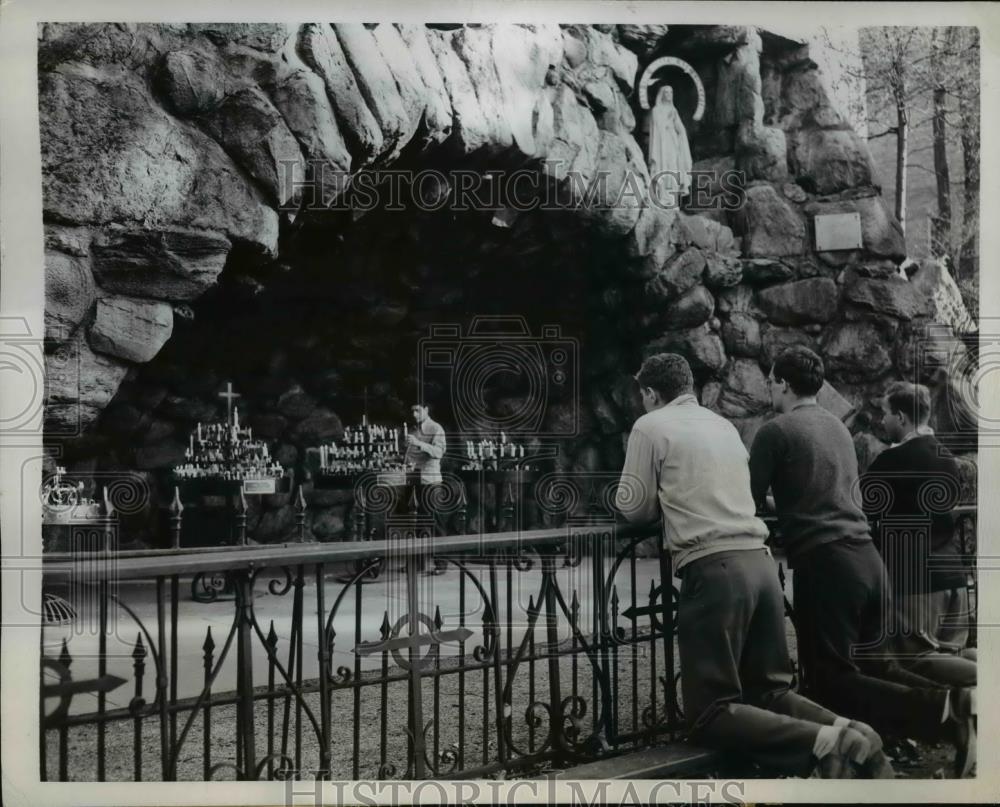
x: 688, y: 464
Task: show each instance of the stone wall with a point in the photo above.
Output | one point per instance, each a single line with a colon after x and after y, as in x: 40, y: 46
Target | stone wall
x: 177, y: 257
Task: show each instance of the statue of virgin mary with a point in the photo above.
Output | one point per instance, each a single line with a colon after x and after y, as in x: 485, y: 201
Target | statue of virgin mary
x: 669, y: 155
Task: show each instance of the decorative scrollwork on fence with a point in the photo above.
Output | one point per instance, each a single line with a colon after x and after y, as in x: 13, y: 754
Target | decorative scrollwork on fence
x: 207, y: 586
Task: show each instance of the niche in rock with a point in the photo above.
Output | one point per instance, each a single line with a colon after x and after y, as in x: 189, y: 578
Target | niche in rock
x: 354, y: 317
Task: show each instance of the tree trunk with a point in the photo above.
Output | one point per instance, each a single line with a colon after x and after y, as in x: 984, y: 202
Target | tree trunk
x: 941, y: 224
x: 902, y: 145
x: 968, y: 107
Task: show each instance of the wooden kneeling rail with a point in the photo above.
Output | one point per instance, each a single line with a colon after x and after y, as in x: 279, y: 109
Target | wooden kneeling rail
x: 676, y: 760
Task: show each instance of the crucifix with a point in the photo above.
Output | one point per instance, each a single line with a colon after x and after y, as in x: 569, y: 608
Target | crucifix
x: 230, y: 396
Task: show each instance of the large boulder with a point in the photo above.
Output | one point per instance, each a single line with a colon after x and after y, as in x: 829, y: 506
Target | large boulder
x: 694, y: 307
x: 893, y: 296
x: 738, y: 299
x: 69, y: 293
x: 832, y: 401
x: 256, y: 136
x: 800, y: 302
x: 471, y: 130
x: 774, y: 340
x: 110, y: 153
x: 189, y: 80
x: 829, y: 160
x: 700, y: 346
x: 474, y: 49
x: 377, y: 85
x: 301, y: 98
x: 79, y: 383
x: 741, y: 335
x: 267, y: 37
x: 678, y: 275
x: 405, y: 72
x: 744, y: 389
x: 722, y: 271
x: 131, y: 329
x: 760, y: 152
x: 437, y: 106
x: 641, y: 39
x: 649, y: 241
x: 773, y: 229
x: 572, y: 154
x: 856, y: 351
x: 522, y: 55
x: 934, y: 283
x: 604, y: 52
x: 706, y: 234
x: 764, y: 271
x: 163, y: 264
x: 614, y: 199
x: 319, y: 47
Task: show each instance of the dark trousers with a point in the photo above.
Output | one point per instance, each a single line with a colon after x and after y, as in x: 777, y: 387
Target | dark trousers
x: 735, y: 670
x: 923, y: 618
x: 841, y: 604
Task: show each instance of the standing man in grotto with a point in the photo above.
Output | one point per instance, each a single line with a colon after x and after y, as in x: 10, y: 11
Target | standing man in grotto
x: 425, y: 446
x: 688, y: 465
x: 805, y: 456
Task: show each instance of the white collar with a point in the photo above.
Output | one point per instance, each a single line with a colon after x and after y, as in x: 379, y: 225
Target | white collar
x: 920, y: 431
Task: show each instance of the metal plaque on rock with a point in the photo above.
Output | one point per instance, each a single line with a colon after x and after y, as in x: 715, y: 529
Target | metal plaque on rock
x: 835, y: 231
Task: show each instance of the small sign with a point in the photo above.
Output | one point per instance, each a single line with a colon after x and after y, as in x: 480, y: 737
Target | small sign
x: 259, y: 487
x: 836, y: 231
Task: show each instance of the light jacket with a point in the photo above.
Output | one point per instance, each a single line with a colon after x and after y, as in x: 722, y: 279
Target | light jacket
x: 689, y: 465
x: 426, y: 455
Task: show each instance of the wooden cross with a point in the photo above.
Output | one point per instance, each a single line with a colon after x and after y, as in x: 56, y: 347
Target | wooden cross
x: 230, y: 396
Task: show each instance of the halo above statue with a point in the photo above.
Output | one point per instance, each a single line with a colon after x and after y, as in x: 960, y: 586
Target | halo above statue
x: 670, y: 61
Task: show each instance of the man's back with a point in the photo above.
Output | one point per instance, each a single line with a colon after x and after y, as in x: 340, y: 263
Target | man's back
x: 925, y: 482
x: 807, y: 458
x: 696, y: 464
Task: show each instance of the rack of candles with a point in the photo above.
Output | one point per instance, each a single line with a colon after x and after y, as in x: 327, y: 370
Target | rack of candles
x: 491, y: 454
x: 367, y: 447
x: 229, y: 452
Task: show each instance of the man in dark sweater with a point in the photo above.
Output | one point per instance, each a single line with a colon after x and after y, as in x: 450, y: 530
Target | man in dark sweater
x: 806, y: 457
x: 911, y: 488
x: 687, y: 466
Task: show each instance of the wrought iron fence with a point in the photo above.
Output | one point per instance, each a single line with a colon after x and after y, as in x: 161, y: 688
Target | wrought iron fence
x: 408, y: 656
x: 553, y: 644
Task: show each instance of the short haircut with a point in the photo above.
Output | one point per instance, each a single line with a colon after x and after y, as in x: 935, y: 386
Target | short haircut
x: 801, y: 368
x: 667, y: 373
x: 913, y: 400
